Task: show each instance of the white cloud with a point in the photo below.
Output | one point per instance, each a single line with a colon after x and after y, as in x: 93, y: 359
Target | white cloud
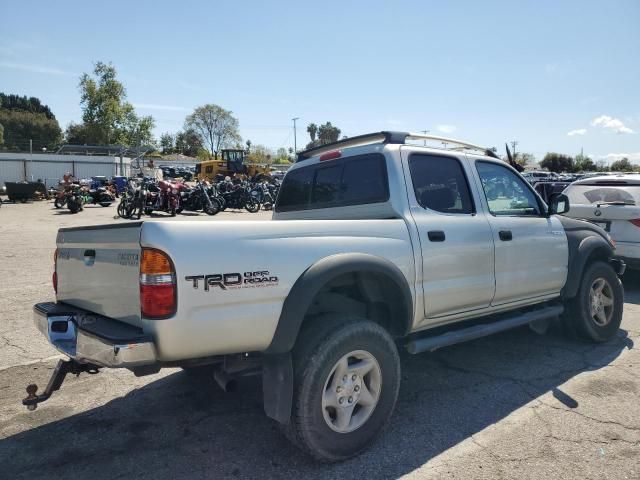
x: 577, y: 131
x: 35, y: 68
x: 611, y: 123
x: 633, y: 157
x: 446, y: 128
x: 153, y: 106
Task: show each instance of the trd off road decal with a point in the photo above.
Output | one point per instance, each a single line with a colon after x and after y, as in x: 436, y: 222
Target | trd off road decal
x: 225, y: 281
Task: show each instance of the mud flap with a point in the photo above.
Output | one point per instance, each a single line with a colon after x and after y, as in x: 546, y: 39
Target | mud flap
x: 277, y: 386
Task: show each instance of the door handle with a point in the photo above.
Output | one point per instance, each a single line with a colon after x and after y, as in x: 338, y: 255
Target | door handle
x: 436, y: 235
x: 505, y: 235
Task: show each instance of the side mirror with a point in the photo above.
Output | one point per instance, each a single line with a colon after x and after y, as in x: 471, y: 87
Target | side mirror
x: 558, y: 204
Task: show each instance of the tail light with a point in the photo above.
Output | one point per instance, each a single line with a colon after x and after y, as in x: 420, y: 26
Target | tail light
x: 636, y: 222
x: 158, y: 292
x: 54, y: 278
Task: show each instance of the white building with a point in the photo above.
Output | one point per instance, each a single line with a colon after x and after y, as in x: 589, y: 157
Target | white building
x: 50, y: 167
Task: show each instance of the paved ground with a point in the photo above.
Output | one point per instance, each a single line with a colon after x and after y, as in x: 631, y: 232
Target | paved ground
x: 516, y: 405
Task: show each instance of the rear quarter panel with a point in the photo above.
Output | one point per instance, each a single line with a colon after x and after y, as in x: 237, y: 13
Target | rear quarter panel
x: 244, y: 317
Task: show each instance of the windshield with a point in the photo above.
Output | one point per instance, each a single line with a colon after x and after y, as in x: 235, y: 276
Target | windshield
x: 590, y: 194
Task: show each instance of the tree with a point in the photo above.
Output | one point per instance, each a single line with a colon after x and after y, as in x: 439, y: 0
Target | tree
x: 1, y: 134
x: 602, y: 166
x: 188, y: 143
x: 260, y: 154
x: 106, y: 115
x: 167, y: 143
x: 327, y: 133
x: 557, y: 162
x: 622, y: 165
x: 312, y: 129
x: 322, y: 135
x: 282, y: 156
x: 217, y: 127
x: 524, y: 159
x: 24, y: 119
x: 582, y: 163
x: 248, y: 144
x: 19, y: 127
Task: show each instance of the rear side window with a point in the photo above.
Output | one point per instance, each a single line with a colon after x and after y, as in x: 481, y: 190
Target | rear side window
x: 348, y: 181
x: 440, y: 184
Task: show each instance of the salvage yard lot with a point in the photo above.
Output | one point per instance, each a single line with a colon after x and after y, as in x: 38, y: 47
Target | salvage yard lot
x: 516, y: 405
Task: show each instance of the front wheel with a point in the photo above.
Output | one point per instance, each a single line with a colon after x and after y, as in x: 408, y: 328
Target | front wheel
x: 595, y: 313
x: 212, y: 209
x: 347, y: 377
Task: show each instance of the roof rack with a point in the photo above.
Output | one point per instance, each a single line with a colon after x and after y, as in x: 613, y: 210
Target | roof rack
x: 397, y: 138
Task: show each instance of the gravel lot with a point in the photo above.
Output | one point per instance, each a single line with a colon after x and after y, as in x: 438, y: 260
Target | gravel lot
x: 516, y: 405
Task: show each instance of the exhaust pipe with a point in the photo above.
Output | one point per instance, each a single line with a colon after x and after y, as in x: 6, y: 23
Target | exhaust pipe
x: 226, y: 382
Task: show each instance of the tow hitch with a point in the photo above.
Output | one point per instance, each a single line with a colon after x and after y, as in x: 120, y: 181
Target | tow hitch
x: 55, y: 382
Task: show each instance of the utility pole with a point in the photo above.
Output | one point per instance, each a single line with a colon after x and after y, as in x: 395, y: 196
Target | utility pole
x: 295, y: 139
x: 425, y: 132
x: 514, y: 144
x: 31, y: 156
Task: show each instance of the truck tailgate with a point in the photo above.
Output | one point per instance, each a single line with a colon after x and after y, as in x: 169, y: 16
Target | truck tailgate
x: 98, y: 270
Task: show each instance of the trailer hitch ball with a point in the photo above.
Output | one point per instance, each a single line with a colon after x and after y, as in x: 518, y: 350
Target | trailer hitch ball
x: 31, y: 394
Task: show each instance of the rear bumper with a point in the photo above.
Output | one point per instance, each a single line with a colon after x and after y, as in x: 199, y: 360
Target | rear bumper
x: 94, y: 339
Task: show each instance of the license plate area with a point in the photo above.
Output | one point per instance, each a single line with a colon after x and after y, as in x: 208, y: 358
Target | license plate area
x: 604, y: 225
x: 63, y: 333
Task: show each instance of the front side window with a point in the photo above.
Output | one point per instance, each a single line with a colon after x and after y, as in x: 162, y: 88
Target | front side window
x: 506, y: 193
x: 440, y: 184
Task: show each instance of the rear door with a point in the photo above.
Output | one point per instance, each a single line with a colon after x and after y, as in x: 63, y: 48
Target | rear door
x: 531, y: 253
x: 456, y: 241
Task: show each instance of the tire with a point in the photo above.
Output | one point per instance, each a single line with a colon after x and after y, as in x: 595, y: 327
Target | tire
x: 213, y: 209
x: 252, y: 206
x: 74, y: 207
x: 600, y: 322
x: 122, y: 212
x: 324, y: 348
x: 59, y: 202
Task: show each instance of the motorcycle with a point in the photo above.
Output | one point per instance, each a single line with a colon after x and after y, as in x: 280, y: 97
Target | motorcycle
x: 265, y: 194
x: 198, y: 199
x: 99, y: 196
x: 238, y: 196
x: 75, y: 199
x: 167, y: 199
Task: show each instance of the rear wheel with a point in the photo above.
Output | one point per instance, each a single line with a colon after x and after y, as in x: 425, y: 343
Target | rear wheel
x: 347, y: 376
x: 595, y: 313
x: 252, y: 206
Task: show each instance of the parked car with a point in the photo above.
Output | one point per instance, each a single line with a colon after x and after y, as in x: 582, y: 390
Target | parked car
x: 387, y: 244
x: 613, y: 202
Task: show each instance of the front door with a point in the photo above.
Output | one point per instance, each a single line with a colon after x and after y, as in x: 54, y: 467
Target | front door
x: 456, y: 242
x: 531, y: 253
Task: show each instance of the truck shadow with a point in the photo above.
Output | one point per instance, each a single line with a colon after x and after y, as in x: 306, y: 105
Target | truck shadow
x: 176, y: 427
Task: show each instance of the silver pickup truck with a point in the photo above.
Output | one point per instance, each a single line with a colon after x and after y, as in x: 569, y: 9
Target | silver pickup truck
x: 376, y: 244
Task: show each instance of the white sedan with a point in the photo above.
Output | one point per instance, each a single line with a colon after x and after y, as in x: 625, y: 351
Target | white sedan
x: 613, y: 202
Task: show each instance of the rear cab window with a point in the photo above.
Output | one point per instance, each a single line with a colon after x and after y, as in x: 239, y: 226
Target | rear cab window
x: 354, y: 180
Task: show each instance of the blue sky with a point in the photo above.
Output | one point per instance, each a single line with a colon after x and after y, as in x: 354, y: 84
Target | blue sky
x: 486, y: 71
